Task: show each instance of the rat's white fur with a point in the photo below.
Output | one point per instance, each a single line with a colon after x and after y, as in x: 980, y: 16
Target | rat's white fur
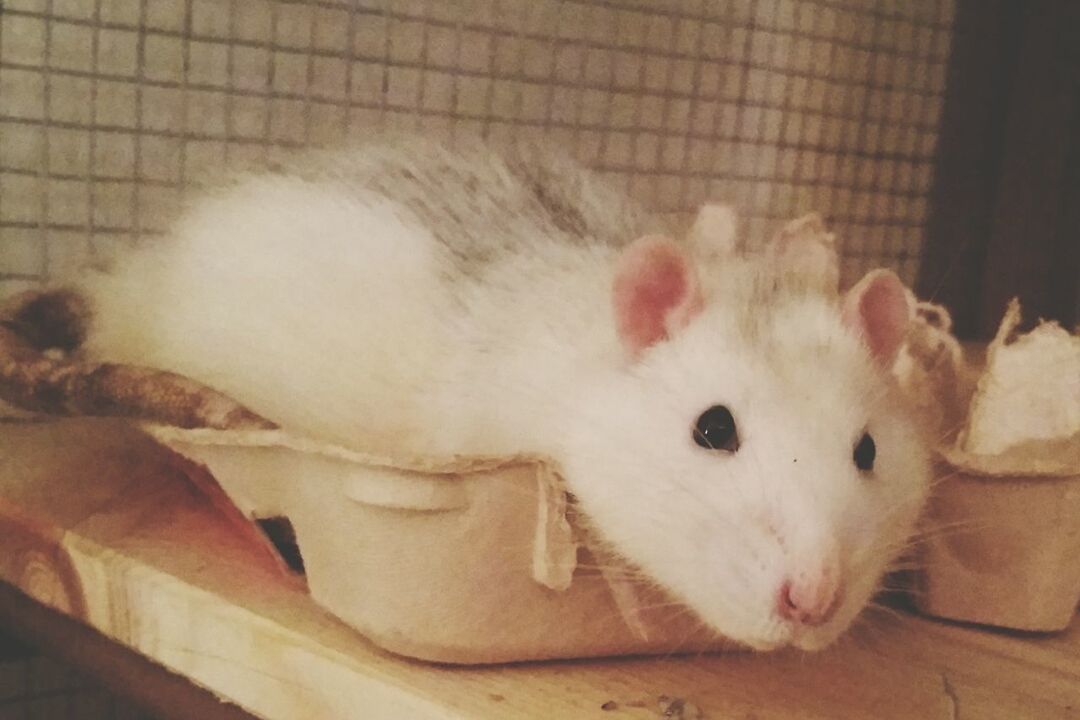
x: 359, y: 303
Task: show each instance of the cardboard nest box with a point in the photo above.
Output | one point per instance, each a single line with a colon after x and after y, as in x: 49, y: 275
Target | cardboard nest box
x: 459, y: 560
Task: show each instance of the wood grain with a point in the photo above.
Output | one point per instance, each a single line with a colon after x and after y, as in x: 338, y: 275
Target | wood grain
x: 164, y: 570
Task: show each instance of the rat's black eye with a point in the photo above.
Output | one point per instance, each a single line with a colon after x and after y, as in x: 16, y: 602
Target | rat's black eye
x: 715, y: 430
x: 865, y: 452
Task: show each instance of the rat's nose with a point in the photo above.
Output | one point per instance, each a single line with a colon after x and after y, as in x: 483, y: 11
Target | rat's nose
x: 811, y: 598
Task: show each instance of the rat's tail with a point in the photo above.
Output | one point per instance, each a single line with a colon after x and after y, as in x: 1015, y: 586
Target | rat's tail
x: 47, y: 320
x: 40, y: 334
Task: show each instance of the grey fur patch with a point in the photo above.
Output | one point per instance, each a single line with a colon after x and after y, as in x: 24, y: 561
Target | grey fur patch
x: 480, y: 204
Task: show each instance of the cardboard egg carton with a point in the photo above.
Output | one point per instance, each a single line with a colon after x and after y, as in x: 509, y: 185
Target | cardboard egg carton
x: 458, y: 560
x: 1003, y: 528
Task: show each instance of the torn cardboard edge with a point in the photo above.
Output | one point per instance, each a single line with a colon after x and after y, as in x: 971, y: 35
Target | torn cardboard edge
x: 953, y: 397
x: 1029, y: 391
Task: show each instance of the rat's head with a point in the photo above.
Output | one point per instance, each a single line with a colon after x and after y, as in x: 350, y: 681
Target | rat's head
x: 751, y: 454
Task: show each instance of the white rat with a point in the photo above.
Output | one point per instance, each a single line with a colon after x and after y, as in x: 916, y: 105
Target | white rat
x: 727, y: 428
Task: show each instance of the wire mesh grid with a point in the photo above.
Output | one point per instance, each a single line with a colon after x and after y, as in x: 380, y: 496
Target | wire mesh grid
x: 111, y: 111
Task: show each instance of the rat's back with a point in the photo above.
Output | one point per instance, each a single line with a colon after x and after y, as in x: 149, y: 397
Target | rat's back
x: 329, y: 295
x: 479, y: 204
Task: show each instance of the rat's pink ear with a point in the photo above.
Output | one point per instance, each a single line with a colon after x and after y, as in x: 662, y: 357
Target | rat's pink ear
x: 877, y: 309
x: 655, y: 292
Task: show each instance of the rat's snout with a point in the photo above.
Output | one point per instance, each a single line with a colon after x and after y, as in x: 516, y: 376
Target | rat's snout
x: 811, y: 597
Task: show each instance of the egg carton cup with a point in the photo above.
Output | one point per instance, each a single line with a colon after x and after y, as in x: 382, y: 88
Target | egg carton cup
x: 459, y: 560
x: 1003, y: 526
x: 1004, y: 541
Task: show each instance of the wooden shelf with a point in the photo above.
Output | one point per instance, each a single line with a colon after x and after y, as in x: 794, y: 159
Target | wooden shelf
x: 101, y: 525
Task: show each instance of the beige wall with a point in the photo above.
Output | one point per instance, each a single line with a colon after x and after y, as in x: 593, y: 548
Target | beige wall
x: 109, y: 109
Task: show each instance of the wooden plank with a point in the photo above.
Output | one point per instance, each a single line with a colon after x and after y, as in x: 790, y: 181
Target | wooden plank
x: 160, y: 569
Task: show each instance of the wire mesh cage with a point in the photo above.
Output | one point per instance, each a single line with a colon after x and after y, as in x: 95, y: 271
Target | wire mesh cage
x: 111, y: 111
